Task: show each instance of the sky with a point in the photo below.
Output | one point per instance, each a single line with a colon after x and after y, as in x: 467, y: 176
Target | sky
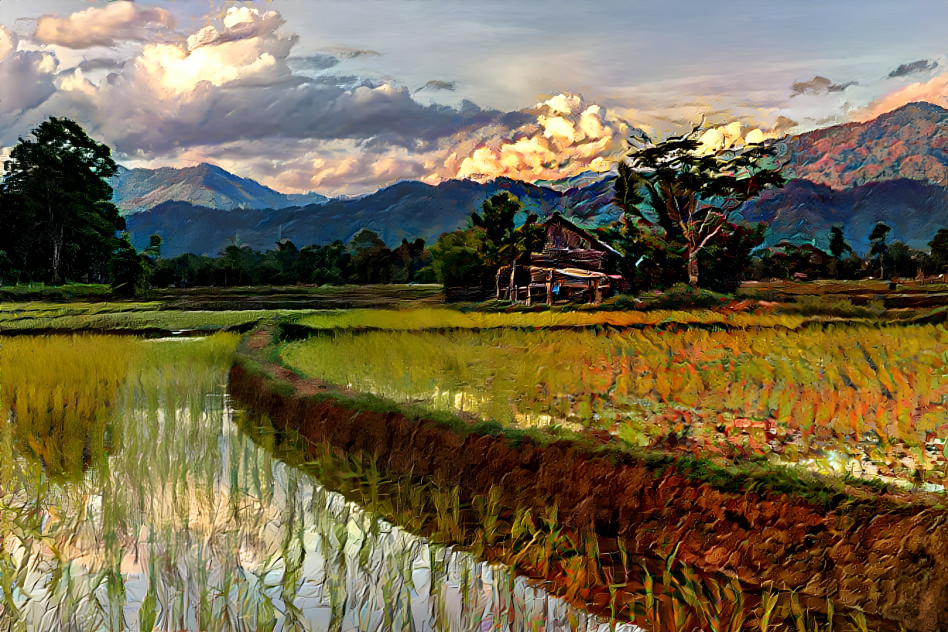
x: 347, y: 96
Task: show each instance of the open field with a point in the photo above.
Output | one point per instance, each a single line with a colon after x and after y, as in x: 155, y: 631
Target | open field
x: 870, y: 393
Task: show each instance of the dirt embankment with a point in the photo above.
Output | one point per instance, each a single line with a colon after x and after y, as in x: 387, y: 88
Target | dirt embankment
x: 890, y: 562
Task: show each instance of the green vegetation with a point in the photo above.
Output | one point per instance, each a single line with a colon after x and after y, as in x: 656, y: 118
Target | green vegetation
x: 58, y: 220
x: 791, y: 394
x: 678, y: 196
x: 445, y: 318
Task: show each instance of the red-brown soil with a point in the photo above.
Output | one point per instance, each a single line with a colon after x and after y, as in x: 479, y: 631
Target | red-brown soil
x: 889, y: 561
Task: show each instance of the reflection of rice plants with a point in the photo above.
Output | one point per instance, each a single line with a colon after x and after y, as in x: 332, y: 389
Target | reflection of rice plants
x: 188, y: 524
x: 658, y: 594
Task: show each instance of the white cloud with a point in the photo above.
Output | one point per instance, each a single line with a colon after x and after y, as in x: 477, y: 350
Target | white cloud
x: 102, y: 26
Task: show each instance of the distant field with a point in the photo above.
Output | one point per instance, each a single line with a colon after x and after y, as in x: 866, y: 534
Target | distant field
x: 445, y: 317
x: 22, y: 318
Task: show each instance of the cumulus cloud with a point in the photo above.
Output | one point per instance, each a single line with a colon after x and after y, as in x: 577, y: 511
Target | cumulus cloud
x: 31, y: 72
x: 102, y: 26
x: 235, y: 84
x: 565, y: 137
x: 734, y: 135
x: 818, y: 85
x: 935, y: 90
x: 911, y: 68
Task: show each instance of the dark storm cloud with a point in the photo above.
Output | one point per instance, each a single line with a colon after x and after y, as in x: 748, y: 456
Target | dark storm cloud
x: 438, y: 84
x: 134, y: 121
x: 911, y: 68
x: 819, y: 85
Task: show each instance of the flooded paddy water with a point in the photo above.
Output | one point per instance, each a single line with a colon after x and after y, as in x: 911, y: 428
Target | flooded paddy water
x: 131, y: 500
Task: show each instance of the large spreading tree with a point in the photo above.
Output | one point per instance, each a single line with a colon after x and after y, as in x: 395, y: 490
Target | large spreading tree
x: 681, y: 194
x: 55, y: 205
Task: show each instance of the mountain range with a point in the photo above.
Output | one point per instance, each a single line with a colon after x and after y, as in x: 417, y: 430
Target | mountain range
x: 893, y: 169
x: 202, y: 185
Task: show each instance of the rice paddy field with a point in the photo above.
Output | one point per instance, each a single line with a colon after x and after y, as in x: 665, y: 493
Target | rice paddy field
x: 132, y: 497
x: 858, y: 398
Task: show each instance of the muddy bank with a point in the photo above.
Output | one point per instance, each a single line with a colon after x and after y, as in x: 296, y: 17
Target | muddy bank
x: 888, y: 561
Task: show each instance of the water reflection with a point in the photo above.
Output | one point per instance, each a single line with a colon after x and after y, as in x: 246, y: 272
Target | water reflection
x: 191, y: 525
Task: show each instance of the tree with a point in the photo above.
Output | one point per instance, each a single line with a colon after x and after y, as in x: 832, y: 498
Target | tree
x: 683, y: 194
x: 371, y: 258
x: 57, y: 216
x: 838, y: 245
x: 503, y: 243
x: 879, y: 250
x: 939, y: 246
x: 130, y: 270
x: 458, y: 258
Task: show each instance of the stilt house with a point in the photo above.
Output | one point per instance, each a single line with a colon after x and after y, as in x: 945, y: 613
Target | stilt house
x: 573, y: 266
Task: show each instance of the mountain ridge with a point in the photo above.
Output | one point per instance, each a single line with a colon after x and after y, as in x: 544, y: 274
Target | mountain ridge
x: 888, y: 169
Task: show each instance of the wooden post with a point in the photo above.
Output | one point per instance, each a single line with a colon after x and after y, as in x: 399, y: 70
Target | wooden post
x: 512, y: 289
x: 598, y: 291
x: 549, y: 287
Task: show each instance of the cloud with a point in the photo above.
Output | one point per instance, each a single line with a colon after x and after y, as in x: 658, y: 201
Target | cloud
x: 31, y: 72
x: 935, y: 90
x: 783, y: 125
x: 312, y: 63
x: 102, y: 26
x: 344, y: 52
x: 237, y: 84
x: 437, y: 84
x: 922, y: 65
x: 818, y: 85
x: 564, y: 137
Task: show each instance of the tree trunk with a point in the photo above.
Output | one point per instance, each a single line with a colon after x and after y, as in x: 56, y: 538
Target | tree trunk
x: 57, y: 254
x: 693, y: 270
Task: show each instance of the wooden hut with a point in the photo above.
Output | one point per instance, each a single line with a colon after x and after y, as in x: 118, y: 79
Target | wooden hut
x: 573, y: 266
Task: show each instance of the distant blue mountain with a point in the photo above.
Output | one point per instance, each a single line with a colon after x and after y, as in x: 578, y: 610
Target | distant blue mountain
x: 804, y: 212
x: 138, y: 190
x: 406, y: 210
x: 892, y: 169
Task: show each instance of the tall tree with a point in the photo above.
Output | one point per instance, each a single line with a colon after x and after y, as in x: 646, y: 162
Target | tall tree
x: 503, y: 243
x: 879, y: 249
x: 58, y: 219
x: 838, y: 246
x: 683, y: 193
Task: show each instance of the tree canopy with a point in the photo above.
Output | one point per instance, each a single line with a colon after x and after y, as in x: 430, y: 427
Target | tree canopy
x: 55, y: 205
x: 681, y: 193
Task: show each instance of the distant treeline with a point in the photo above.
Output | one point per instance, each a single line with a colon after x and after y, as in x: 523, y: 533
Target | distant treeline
x: 364, y: 260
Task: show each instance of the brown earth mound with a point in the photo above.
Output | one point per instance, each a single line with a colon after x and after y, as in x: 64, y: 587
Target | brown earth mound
x: 890, y: 562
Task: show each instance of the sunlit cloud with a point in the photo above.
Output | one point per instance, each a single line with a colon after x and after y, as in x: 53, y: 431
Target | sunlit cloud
x: 102, y: 26
x: 935, y: 90
x: 566, y: 138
